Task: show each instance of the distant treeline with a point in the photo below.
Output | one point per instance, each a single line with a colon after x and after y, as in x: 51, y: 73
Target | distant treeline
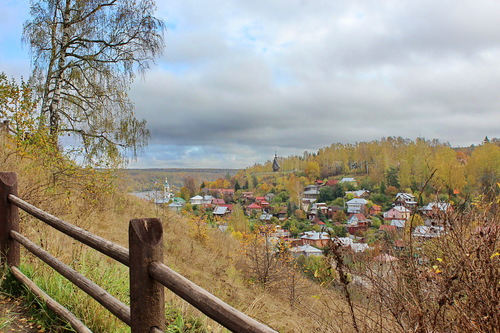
x: 139, y: 180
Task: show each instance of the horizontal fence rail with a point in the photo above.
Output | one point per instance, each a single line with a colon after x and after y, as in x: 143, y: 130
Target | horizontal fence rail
x: 120, y: 310
x: 112, y: 250
x: 148, y: 274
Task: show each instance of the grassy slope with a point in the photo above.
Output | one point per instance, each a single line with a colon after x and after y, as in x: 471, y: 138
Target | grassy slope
x: 216, y: 264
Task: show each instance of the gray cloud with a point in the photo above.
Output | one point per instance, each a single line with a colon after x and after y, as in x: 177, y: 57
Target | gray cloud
x: 240, y: 80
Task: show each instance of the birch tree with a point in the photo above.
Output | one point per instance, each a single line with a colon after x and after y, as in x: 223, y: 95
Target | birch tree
x: 85, y: 55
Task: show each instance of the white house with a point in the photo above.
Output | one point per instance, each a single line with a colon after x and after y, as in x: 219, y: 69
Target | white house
x: 196, y: 200
x: 405, y: 199
x: 356, y: 205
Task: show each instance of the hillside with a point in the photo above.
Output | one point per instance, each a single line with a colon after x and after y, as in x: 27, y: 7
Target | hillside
x: 341, y: 291
x: 92, y: 200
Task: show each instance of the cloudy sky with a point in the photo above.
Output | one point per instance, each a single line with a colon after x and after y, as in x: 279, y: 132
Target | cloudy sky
x: 240, y: 80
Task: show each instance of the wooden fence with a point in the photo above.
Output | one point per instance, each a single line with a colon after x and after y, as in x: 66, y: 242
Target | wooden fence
x: 148, y: 274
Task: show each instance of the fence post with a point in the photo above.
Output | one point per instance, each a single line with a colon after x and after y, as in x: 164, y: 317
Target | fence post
x: 9, y: 220
x: 147, y: 300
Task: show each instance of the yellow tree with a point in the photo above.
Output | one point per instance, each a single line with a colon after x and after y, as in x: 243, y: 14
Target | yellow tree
x: 483, y: 168
x: 312, y: 170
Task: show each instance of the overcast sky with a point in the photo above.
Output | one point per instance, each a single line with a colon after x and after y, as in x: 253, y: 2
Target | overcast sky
x: 240, y: 80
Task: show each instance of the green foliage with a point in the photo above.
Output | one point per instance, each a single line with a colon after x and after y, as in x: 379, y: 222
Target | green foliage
x: 392, y: 177
x: 376, y: 222
x: 326, y: 194
x: 339, y: 231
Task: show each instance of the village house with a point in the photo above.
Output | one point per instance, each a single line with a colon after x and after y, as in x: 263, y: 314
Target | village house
x: 356, y: 205
x: 282, y: 214
x: 177, y: 204
x: 347, y: 242
x: 332, y: 210
x: 358, y: 228
x: 354, y: 219
x: 216, y: 201
x: 318, y: 239
x: 221, y: 211
x: 207, y: 201
x: 406, y: 200
x: 346, y: 180
x: 332, y: 182
x: 365, y: 194
x: 433, y: 212
x: 316, y: 208
x: 397, y: 213
x: 270, y: 197
x: 247, y: 196
x: 399, y: 224
x: 265, y: 217
x: 196, y: 200
x: 253, y: 208
x: 279, y: 232
x: 375, y: 210
x: 424, y: 231
x: 305, y: 250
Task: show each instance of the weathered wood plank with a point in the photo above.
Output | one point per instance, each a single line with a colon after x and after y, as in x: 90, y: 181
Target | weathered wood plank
x: 207, y: 303
x: 60, y: 310
x: 100, y: 244
x: 147, y: 300
x: 117, y: 308
x: 9, y: 219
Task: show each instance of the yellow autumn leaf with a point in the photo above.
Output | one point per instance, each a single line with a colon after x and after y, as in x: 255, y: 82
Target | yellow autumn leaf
x: 439, y: 259
x: 494, y: 255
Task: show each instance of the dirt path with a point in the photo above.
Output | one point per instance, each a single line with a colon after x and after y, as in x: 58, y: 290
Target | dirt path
x: 14, y: 316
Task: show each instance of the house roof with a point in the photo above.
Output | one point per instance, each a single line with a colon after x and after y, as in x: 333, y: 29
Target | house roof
x: 306, y: 248
x: 220, y: 210
x: 358, y: 193
x: 197, y: 197
x: 357, y: 201
x: 357, y: 217
x: 405, y: 196
x: 218, y: 201
x: 398, y: 223
x: 312, y: 191
x: 347, y: 180
x: 427, y: 232
x: 254, y: 206
x: 313, y: 235
x: 332, y: 182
